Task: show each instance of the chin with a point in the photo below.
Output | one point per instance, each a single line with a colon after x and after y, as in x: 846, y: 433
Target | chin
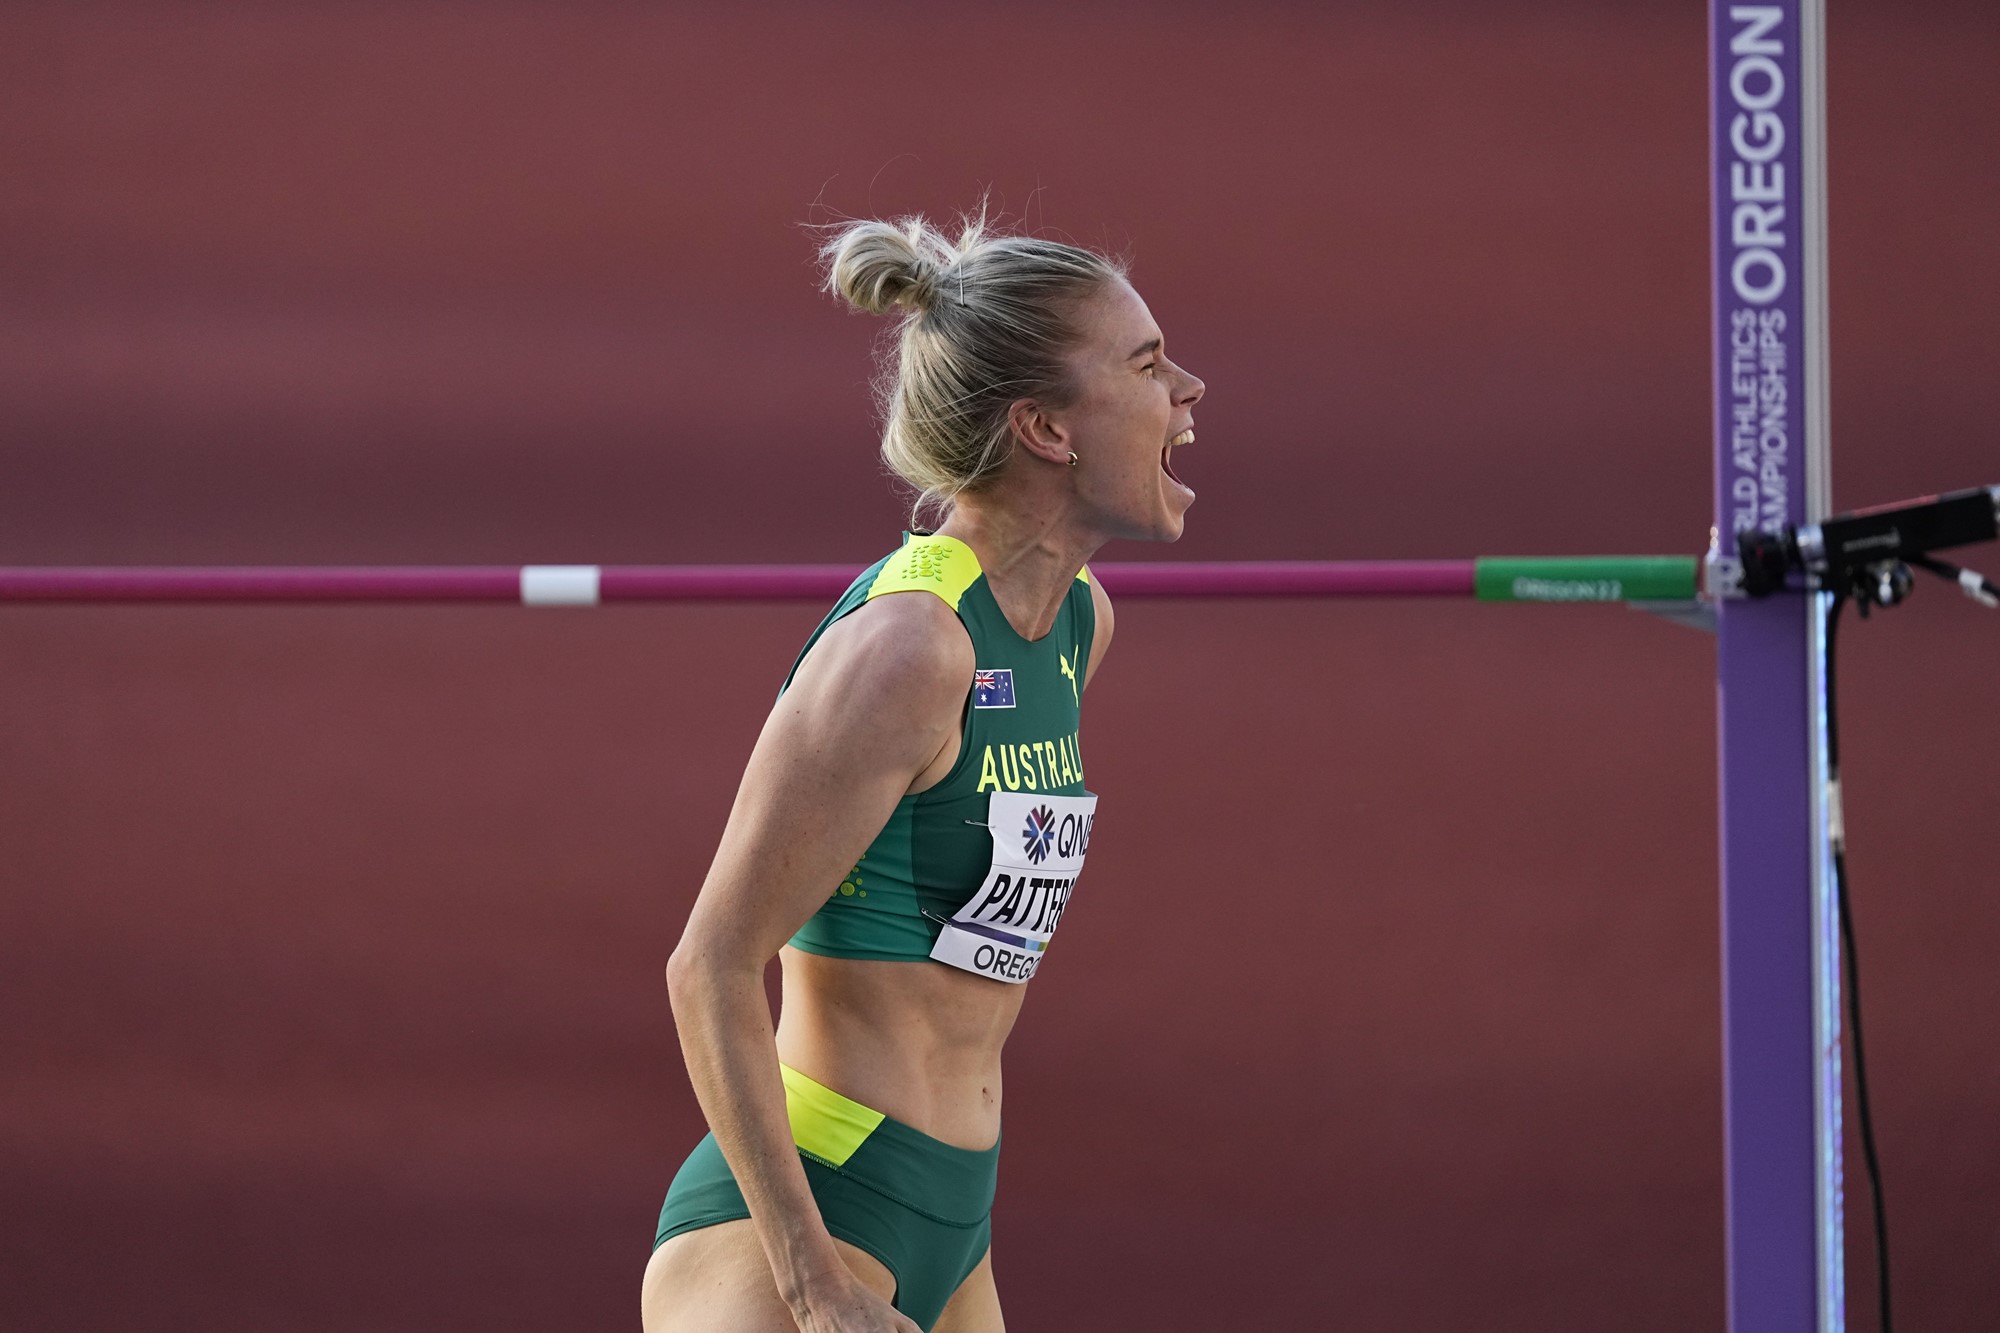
x: 1163, y: 525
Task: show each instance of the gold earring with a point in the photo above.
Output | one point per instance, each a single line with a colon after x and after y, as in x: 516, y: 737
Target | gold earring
x: 1072, y: 458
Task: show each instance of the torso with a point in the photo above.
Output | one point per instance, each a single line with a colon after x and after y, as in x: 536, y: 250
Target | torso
x: 917, y: 1041
x: 865, y: 1009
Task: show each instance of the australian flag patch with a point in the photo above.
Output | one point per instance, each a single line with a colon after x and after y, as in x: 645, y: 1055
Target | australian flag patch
x: 993, y: 689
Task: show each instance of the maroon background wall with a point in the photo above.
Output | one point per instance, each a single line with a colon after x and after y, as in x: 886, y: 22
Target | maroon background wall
x: 330, y: 939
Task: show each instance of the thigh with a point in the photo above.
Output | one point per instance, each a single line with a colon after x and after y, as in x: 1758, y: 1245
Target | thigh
x: 975, y: 1306
x: 717, y: 1280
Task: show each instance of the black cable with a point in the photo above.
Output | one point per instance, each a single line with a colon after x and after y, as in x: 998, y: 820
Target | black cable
x: 1974, y: 585
x: 1852, y: 968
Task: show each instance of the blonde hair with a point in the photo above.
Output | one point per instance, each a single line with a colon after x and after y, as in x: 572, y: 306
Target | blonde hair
x: 985, y: 321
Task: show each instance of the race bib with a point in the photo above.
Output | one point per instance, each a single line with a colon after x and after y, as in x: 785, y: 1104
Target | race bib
x: 1038, y: 847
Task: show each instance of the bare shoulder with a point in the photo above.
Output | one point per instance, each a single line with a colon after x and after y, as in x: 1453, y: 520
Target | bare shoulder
x: 906, y: 650
x: 872, y: 707
x: 1101, y: 638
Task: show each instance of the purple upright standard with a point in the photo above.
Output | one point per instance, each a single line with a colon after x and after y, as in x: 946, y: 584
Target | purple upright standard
x: 1780, y: 1012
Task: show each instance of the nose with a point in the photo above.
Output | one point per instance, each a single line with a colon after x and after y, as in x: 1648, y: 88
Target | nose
x: 1192, y: 391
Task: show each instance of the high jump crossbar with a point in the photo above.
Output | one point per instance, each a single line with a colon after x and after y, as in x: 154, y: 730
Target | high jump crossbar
x: 1644, y: 579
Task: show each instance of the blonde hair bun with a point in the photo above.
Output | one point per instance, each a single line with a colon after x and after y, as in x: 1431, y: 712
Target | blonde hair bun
x: 875, y: 266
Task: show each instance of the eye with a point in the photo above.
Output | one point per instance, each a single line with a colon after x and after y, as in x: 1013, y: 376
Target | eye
x: 1148, y: 367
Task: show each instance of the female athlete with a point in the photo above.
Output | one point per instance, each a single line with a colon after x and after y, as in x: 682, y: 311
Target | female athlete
x: 914, y: 816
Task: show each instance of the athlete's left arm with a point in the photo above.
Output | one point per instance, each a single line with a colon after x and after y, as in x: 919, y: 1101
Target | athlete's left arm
x: 1101, y: 638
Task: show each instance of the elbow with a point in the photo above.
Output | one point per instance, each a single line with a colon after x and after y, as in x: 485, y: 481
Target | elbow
x: 683, y: 968
x: 696, y: 975
x: 709, y: 968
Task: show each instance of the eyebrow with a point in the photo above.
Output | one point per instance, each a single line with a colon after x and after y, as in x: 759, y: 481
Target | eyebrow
x: 1144, y: 348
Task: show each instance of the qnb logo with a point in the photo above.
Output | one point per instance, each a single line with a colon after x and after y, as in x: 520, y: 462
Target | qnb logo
x: 1039, y: 833
x: 1073, y: 837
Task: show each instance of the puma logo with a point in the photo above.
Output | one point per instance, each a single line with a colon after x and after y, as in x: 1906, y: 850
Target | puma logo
x: 1070, y: 671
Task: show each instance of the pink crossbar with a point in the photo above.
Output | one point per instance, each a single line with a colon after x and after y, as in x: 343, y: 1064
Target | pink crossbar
x: 678, y: 583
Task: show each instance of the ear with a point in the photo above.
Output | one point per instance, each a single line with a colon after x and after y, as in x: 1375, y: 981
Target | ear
x: 1036, y: 430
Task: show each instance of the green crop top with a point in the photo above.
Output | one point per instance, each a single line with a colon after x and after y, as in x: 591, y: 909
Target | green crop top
x: 975, y: 871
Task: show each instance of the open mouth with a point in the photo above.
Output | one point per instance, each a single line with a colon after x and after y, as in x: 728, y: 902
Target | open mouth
x: 1166, y: 454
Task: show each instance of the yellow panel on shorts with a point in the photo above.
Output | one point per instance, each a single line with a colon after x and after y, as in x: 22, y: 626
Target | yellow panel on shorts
x: 943, y: 565
x: 824, y: 1123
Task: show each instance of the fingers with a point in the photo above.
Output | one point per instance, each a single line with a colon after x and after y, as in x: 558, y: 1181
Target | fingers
x: 862, y: 1311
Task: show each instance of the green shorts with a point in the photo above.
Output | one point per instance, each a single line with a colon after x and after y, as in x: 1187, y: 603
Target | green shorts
x: 922, y: 1207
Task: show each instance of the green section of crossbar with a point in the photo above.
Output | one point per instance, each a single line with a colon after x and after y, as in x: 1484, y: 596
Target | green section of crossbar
x: 1588, y: 578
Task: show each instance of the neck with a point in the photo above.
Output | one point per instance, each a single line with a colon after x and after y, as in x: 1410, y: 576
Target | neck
x: 1029, y: 560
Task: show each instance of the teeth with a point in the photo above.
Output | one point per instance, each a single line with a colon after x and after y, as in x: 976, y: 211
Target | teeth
x: 1185, y: 437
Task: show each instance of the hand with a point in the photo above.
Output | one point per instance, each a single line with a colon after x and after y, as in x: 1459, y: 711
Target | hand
x: 847, y: 1305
